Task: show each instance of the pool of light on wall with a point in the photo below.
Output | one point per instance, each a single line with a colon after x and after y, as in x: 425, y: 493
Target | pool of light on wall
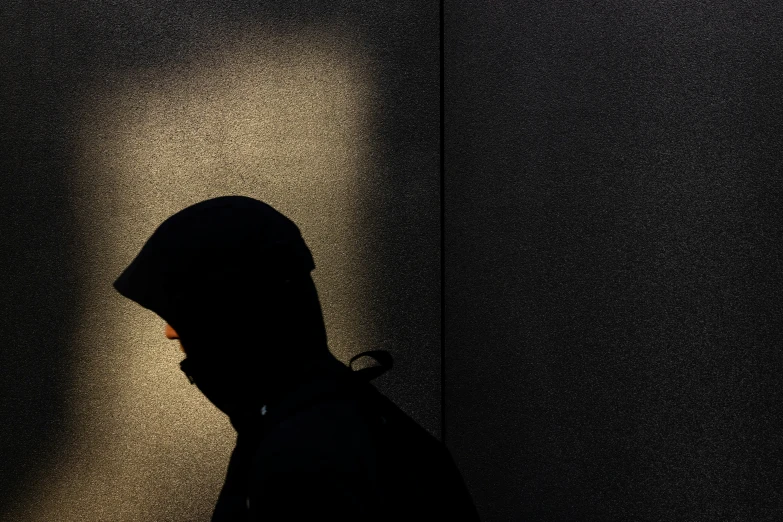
x: 283, y: 118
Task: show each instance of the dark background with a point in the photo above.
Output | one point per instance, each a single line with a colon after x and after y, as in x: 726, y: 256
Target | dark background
x: 612, y: 188
x: 613, y: 258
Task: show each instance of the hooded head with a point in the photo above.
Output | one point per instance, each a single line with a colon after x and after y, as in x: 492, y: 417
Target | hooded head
x: 232, y: 276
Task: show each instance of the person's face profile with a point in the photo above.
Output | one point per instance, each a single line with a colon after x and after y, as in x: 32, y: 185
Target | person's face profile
x: 172, y: 334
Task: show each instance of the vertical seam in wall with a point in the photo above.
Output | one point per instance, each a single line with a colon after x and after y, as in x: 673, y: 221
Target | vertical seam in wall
x: 442, y: 241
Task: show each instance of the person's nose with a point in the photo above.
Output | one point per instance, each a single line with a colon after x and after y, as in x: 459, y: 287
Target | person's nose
x: 170, y: 333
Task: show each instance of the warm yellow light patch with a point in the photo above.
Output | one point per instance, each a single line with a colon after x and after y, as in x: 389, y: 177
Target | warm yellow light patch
x: 284, y: 119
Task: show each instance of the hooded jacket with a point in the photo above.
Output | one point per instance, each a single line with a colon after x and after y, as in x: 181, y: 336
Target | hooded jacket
x: 314, y: 439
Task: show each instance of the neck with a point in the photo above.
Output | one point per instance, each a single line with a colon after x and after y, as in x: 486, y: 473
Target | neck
x: 279, y: 380
x: 290, y: 376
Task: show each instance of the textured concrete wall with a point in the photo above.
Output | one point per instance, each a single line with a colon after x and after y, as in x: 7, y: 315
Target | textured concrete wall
x: 116, y: 115
x: 613, y: 273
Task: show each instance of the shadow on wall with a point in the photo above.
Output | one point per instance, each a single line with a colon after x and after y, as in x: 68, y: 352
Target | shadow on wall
x: 39, y: 290
x: 623, y: 346
x: 118, y: 117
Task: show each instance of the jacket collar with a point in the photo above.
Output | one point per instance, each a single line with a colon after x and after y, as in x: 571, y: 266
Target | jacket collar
x: 332, y: 379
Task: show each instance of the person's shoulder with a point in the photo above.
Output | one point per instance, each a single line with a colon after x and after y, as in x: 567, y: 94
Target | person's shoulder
x: 318, y: 462
x: 360, y: 425
x: 333, y: 426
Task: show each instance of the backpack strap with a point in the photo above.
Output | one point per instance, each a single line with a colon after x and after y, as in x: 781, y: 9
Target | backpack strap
x: 367, y: 374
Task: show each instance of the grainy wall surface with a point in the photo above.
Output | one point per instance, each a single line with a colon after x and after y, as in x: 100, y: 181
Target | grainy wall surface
x: 613, y: 272
x: 115, y: 115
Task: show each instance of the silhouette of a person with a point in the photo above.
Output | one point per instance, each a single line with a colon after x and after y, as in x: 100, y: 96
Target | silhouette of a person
x: 315, y: 440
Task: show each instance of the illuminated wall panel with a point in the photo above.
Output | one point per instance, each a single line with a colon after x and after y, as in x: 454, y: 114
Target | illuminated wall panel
x: 118, y: 115
x: 278, y: 122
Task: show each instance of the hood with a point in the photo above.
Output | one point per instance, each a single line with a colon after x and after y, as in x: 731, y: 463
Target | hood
x: 232, y: 276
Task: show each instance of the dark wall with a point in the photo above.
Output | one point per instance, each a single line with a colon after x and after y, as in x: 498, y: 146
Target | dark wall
x: 37, y: 249
x: 58, y: 61
x: 613, y: 269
